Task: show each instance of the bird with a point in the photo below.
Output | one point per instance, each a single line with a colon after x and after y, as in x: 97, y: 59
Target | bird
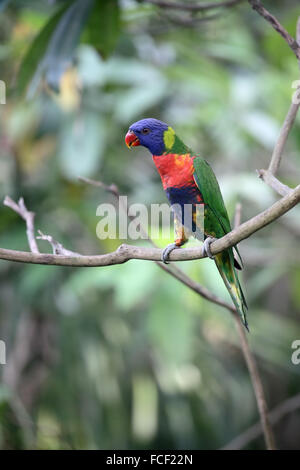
x: 189, y: 181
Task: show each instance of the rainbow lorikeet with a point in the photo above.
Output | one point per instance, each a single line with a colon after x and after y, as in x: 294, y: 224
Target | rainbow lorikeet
x: 189, y: 180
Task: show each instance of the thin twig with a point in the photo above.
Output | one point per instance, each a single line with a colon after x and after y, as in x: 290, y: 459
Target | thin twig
x: 195, y: 286
x: 112, y: 188
x: 28, y: 216
x: 253, y: 370
x: 275, y: 415
x: 261, y: 10
x: 58, y: 248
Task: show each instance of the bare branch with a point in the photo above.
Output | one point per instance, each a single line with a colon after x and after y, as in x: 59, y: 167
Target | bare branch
x: 275, y: 415
x: 112, y: 188
x: 127, y: 252
x: 28, y: 216
x: 195, y: 286
x: 58, y: 248
x: 274, y: 183
x: 261, y: 10
x: 193, y: 7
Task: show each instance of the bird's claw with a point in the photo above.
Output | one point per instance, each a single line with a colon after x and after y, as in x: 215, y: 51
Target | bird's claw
x: 206, y: 247
x: 166, y: 252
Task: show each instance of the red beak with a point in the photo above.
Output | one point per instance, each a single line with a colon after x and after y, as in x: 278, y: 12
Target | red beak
x: 131, y: 140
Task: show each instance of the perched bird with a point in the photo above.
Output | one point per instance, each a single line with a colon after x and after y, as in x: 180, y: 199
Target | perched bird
x: 189, y: 180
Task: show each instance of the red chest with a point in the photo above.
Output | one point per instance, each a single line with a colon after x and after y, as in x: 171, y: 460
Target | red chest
x: 175, y: 170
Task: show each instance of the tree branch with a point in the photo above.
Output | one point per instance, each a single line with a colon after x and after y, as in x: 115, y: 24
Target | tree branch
x: 274, y: 183
x: 261, y: 10
x: 28, y: 216
x: 127, y: 252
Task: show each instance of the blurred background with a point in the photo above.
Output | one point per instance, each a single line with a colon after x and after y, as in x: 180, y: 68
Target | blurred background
x: 125, y: 356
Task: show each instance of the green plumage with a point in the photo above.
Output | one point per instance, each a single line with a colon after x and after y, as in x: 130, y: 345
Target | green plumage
x: 217, y: 224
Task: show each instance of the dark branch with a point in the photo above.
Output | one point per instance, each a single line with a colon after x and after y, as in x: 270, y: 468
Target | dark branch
x: 261, y: 10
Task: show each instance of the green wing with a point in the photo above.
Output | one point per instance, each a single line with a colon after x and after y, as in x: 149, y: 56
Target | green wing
x: 209, y: 187
x: 216, y: 223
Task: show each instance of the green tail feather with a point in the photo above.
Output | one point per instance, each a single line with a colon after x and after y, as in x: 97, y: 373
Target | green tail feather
x: 225, y: 265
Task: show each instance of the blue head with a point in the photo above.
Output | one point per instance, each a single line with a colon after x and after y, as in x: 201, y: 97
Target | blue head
x: 150, y: 133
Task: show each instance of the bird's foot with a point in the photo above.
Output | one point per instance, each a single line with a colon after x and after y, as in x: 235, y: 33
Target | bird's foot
x: 166, y: 252
x: 206, y: 247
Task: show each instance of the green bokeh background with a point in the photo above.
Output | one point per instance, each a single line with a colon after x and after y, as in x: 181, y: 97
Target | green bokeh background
x: 125, y: 356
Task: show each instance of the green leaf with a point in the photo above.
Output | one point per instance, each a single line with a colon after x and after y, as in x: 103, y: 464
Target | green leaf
x: 60, y: 51
x: 37, y: 50
x: 52, y: 50
x: 103, y: 27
